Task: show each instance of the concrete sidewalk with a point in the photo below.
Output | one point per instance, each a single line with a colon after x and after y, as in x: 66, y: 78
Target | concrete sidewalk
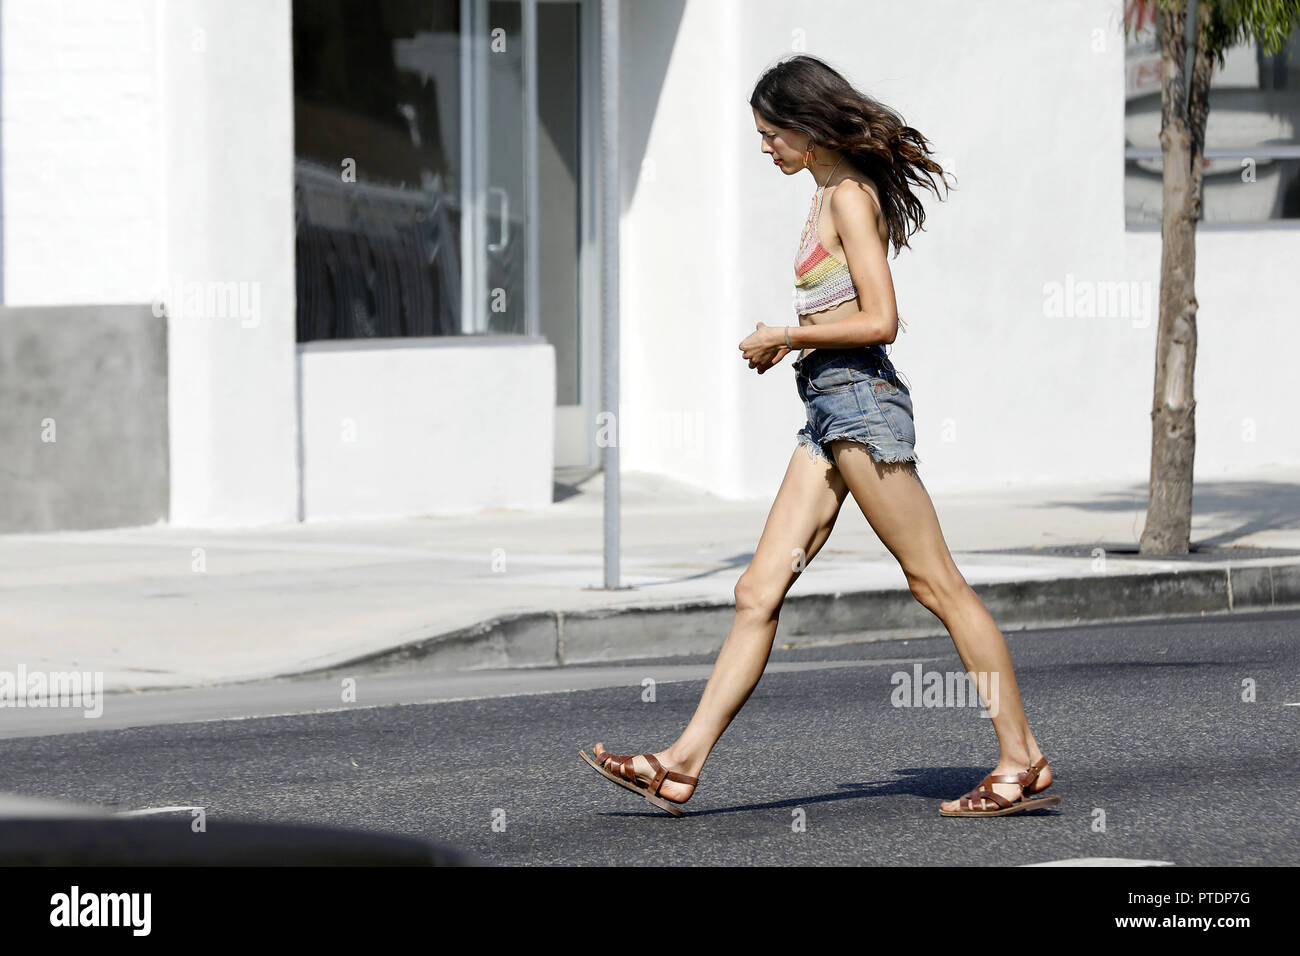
x: 172, y: 607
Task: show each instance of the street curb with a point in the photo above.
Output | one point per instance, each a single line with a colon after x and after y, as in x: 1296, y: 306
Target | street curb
x: 556, y: 638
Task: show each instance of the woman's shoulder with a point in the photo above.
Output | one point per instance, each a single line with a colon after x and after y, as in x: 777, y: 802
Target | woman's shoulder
x: 864, y: 187
x: 858, y: 184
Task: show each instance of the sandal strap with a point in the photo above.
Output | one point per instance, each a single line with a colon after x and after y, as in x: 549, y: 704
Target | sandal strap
x: 606, y: 757
x: 985, y: 791
x: 1015, y: 778
x: 995, y: 797
x: 1031, y: 775
x: 660, y: 773
x: 611, y: 762
x: 991, y: 796
x: 626, y: 771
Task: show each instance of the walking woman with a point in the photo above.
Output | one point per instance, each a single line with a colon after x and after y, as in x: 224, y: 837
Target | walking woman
x: 859, y: 438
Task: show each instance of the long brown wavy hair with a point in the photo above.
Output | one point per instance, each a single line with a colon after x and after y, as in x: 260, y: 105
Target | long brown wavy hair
x: 804, y: 93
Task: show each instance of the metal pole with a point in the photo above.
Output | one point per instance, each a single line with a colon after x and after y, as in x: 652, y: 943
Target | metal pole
x: 610, y: 206
x: 470, y: 151
x: 532, y: 322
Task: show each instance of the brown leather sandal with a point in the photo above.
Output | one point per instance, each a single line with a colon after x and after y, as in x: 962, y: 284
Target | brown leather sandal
x: 620, y: 770
x: 985, y: 791
x: 1038, y: 767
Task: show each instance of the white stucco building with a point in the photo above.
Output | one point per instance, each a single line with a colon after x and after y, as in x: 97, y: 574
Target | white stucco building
x: 266, y: 260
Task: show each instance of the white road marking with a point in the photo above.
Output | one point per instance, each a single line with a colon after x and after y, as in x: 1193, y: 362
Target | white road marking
x: 147, y: 810
x: 1101, y: 861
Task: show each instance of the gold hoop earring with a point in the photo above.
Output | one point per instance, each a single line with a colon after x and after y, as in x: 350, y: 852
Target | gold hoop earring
x: 808, y: 156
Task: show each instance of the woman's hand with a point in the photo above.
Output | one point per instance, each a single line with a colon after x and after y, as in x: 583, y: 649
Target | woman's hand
x: 764, y: 347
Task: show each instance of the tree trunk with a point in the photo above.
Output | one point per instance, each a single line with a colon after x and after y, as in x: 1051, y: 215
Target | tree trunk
x: 1173, y: 421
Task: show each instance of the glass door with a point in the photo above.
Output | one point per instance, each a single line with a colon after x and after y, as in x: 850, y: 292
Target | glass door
x: 497, y: 297
x: 527, y: 151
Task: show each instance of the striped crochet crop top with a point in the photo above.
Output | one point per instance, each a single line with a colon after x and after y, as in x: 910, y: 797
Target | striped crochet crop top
x: 820, y: 279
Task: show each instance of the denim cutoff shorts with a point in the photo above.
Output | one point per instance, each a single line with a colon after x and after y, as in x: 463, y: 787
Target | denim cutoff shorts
x: 855, y: 394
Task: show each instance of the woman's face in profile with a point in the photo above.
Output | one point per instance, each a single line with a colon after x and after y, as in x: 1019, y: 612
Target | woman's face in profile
x: 776, y: 145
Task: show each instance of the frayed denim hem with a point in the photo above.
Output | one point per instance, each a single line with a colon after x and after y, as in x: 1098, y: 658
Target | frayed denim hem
x: 874, y: 449
x: 815, y: 451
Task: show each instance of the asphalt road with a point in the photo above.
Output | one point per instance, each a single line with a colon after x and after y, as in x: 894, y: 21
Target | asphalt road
x: 1157, y: 757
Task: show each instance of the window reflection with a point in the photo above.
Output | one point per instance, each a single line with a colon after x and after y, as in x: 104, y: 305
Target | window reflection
x: 1252, y: 132
x: 377, y: 167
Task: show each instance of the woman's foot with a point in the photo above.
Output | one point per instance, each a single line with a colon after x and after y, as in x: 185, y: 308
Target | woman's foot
x: 671, y: 790
x: 1009, y: 791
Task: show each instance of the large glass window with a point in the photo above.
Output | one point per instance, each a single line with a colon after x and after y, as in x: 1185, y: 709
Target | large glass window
x: 1252, y: 132
x: 377, y: 141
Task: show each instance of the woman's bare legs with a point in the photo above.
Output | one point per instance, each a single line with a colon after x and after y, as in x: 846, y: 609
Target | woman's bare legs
x: 896, y: 504
x: 798, y: 524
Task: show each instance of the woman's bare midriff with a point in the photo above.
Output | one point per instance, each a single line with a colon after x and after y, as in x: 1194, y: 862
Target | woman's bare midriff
x: 833, y: 314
